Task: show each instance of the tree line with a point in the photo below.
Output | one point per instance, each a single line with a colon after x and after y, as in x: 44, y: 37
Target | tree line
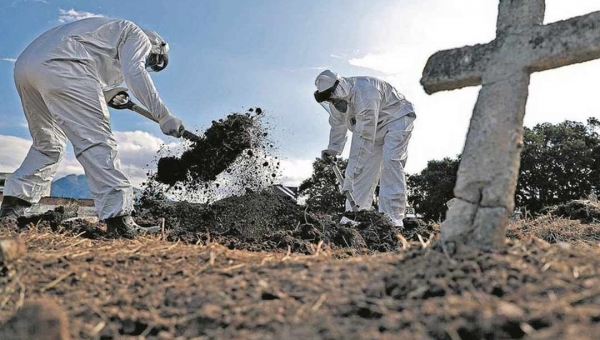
x: 559, y: 162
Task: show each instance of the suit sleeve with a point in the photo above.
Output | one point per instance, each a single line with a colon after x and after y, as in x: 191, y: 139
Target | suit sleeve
x: 133, y: 53
x: 338, y: 131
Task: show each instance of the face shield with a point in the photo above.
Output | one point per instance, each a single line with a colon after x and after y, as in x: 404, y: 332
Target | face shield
x: 158, y: 58
x: 326, y: 106
x: 335, y: 105
x: 325, y: 100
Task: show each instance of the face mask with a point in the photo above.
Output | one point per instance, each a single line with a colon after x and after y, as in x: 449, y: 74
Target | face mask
x: 340, y: 105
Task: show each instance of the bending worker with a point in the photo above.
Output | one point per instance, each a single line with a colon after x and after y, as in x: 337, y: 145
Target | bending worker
x: 381, y: 121
x: 61, y: 78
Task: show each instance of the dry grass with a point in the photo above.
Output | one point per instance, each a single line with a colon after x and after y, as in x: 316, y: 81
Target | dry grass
x: 149, y: 288
x: 554, y: 229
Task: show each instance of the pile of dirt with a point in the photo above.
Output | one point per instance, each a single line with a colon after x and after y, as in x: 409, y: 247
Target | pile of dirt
x: 582, y: 210
x: 267, y: 221
x: 257, y: 221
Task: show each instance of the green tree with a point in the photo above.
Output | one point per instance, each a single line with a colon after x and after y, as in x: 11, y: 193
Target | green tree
x: 559, y: 163
x: 322, y: 188
x: 429, y: 190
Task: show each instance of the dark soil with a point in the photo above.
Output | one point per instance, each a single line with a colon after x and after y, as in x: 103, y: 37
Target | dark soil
x: 266, y: 221
x: 257, y: 221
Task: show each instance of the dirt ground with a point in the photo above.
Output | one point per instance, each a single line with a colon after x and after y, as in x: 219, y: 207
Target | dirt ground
x: 153, y: 288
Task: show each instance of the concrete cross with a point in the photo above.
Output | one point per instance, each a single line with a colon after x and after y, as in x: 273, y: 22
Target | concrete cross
x: 487, y: 175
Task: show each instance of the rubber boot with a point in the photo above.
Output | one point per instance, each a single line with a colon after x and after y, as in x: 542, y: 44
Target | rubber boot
x: 125, y: 226
x: 13, y: 207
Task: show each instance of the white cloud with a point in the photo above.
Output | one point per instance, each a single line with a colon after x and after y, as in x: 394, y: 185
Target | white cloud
x: 10, y: 60
x: 294, y: 171
x: 388, y: 62
x: 12, y: 152
x: 137, y: 152
x: 73, y: 15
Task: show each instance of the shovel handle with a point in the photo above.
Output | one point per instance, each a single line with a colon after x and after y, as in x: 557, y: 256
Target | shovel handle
x: 130, y: 105
x: 340, y: 178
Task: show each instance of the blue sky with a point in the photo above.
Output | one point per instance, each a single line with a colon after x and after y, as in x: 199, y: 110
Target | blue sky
x: 229, y: 55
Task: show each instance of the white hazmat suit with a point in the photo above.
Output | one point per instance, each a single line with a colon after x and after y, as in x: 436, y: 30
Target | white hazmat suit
x: 381, y: 121
x: 61, y: 78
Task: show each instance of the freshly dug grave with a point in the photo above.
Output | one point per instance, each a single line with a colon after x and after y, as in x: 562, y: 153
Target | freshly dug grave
x: 267, y: 221
x: 576, y: 223
x: 151, y: 289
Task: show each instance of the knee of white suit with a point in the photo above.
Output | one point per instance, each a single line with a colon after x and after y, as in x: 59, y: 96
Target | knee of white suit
x: 109, y: 185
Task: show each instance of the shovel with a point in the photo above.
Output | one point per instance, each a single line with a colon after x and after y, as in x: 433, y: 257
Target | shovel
x: 130, y: 105
x: 340, y: 178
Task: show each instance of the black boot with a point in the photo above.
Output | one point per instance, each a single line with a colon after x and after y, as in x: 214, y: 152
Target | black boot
x: 125, y: 226
x: 13, y: 207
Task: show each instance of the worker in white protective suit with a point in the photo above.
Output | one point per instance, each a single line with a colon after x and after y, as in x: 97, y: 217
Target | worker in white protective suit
x: 381, y: 121
x: 61, y: 78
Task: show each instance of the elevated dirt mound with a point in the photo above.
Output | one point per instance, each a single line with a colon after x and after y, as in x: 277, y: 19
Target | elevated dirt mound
x: 260, y: 221
x: 582, y: 210
x: 268, y: 221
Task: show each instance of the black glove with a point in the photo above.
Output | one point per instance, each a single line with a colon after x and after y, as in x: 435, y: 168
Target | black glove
x: 328, y: 156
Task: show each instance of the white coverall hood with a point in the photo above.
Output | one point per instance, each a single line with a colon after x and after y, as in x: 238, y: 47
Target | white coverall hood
x: 326, y: 79
x: 158, y: 59
x: 159, y: 45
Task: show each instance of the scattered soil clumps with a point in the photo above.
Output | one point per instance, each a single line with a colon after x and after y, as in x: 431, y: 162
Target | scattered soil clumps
x: 60, y: 220
x: 227, y: 142
x: 480, y: 295
x: 220, y: 146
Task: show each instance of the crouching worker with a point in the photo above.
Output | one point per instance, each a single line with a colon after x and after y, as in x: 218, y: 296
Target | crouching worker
x: 381, y: 121
x: 61, y: 78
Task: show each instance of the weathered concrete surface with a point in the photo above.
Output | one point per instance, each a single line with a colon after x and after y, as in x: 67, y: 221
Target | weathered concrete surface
x: 487, y: 175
